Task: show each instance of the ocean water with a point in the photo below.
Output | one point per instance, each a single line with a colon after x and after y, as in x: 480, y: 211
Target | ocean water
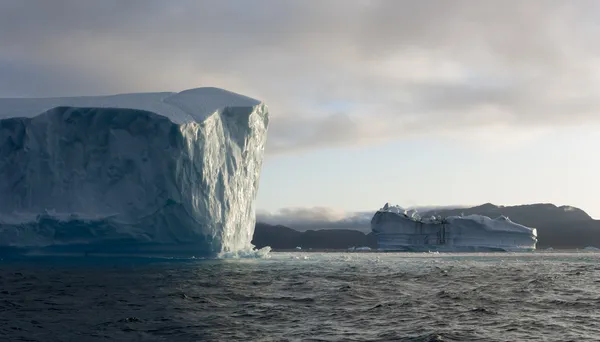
x: 305, y: 297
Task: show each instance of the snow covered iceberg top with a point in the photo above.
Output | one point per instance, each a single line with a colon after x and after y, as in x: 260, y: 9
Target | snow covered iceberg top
x: 193, y: 105
x: 501, y: 223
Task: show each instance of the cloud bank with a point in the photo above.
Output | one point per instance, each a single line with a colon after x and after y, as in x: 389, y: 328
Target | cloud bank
x: 334, y: 73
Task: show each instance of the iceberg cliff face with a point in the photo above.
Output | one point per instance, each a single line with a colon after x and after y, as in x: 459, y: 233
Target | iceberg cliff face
x: 167, y: 173
x: 405, y: 230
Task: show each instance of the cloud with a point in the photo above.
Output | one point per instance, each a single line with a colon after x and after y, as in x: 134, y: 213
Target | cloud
x: 316, y: 218
x: 334, y: 73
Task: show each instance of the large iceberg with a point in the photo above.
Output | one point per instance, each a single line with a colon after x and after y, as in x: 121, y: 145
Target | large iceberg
x: 152, y: 173
x: 405, y: 230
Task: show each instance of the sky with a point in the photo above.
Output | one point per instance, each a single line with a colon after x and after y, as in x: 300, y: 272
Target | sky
x: 418, y: 103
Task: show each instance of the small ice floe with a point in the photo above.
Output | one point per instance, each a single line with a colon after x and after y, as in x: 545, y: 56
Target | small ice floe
x: 357, y: 249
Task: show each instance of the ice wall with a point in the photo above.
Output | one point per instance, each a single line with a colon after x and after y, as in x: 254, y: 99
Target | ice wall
x: 397, y: 230
x: 166, y: 173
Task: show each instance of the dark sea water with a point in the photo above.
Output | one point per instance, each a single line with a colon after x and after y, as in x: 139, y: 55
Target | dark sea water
x: 306, y: 297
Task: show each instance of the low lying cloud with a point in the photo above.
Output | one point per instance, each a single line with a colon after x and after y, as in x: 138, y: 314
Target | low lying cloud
x: 316, y: 218
x: 334, y: 73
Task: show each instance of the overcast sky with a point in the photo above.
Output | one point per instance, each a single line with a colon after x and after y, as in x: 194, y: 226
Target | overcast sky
x: 413, y: 102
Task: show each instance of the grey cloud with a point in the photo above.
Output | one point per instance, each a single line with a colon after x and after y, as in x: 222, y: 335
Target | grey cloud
x: 406, y: 67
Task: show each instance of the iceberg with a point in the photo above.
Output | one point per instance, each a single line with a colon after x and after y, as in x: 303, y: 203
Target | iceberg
x: 149, y: 173
x: 398, y: 229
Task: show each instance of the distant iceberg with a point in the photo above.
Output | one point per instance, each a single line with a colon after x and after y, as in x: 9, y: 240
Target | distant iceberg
x: 150, y: 173
x: 405, y: 230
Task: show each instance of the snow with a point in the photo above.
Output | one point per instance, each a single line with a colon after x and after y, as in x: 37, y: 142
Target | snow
x: 399, y: 228
x: 162, y: 172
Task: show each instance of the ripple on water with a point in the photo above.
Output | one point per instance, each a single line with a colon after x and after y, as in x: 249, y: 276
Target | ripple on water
x: 323, y: 297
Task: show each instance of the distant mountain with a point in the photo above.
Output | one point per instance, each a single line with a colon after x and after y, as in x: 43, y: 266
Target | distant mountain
x: 278, y: 237
x: 281, y: 237
x: 560, y: 227
x: 531, y: 215
x: 569, y: 235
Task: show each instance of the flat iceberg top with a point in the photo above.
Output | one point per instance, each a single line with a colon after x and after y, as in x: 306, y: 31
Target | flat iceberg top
x: 193, y: 105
